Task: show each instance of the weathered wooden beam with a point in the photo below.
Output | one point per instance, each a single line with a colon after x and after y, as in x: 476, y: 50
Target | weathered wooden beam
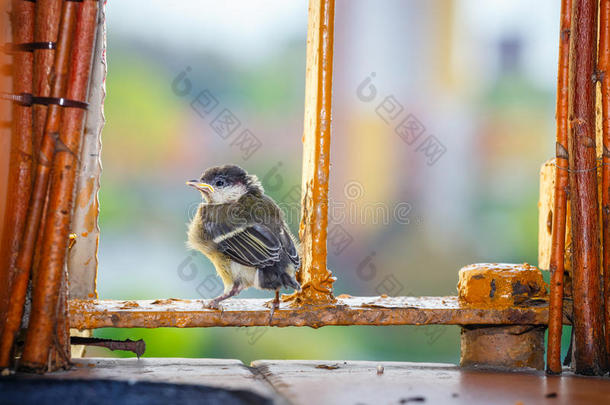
x: 315, y: 278
x: 92, y: 314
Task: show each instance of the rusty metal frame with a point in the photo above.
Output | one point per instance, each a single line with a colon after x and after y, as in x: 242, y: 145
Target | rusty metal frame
x: 91, y: 314
x: 315, y: 305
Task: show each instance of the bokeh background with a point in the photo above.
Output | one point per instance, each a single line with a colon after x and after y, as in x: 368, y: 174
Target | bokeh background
x: 476, y: 77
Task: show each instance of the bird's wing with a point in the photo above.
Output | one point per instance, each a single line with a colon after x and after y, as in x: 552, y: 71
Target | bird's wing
x: 289, y: 248
x: 251, y: 245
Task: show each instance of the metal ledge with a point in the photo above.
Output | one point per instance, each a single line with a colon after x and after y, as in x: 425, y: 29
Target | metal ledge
x: 93, y: 314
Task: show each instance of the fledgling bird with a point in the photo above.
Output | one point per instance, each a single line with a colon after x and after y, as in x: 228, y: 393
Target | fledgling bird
x: 243, y: 233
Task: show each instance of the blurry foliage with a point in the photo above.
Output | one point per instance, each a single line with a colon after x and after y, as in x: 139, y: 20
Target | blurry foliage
x: 394, y: 343
x: 141, y: 116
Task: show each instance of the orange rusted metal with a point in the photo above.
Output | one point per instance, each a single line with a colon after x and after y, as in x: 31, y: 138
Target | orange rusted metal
x: 92, y: 314
x: 41, y: 329
x: 497, y: 285
x: 24, y: 260
x: 603, y: 67
x: 20, y: 158
x: 493, y: 285
x: 46, y: 29
x: 589, y: 346
x: 23, y: 265
x: 514, y: 346
x: 315, y: 278
x: 519, y: 298
x: 557, y: 262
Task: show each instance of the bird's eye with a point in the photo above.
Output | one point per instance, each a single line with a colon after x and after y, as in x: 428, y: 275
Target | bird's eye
x: 219, y: 183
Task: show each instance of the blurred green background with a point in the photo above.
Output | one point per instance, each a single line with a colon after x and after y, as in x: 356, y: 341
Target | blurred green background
x: 478, y: 76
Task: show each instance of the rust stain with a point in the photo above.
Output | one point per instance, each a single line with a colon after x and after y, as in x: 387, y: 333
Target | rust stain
x: 84, y: 195
x: 165, y: 301
x: 129, y: 304
x: 91, y: 216
x: 328, y: 366
x: 514, y: 346
x: 500, y: 285
x: 315, y: 278
x: 92, y: 314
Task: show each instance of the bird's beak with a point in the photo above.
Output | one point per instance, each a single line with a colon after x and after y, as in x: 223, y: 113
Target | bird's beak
x: 203, y: 187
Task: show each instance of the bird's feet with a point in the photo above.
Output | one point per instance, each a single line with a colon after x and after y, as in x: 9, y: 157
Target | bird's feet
x: 212, y: 304
x: 215, y: 303
x: 273, y: 305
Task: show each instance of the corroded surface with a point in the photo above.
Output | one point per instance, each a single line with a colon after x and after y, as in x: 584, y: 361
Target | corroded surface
x: 359, y: 382
x: 501, y: 285
x: 589, y: 346
x: 91, y: 314
x: 47, y: 292
x: 494, y: 285
x: 515, y: 346
x: 316, y: 280
x: 18, y: 179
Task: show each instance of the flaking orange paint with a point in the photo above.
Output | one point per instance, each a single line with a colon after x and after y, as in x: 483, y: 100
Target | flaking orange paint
x: 91, y: 314
x: 315, y: 278
x: 500, y: 285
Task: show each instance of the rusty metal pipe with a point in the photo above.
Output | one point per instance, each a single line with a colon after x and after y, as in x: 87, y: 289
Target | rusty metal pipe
x: 589, y: 357
x: 43, y: 320
x: 23, y: 265
x: 20, y: 158
x: 46, y: 29
x: 603, y: 66
x: 315, y: 278
x: 560, y: 203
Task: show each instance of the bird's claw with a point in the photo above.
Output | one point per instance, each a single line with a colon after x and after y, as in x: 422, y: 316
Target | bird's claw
x: 212, y: 304
x: 273, y: 305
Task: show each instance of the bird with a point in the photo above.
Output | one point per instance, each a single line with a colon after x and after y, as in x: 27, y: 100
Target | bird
x: 243, y: 233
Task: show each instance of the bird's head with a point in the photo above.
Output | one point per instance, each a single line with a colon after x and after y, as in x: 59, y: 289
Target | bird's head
x: 225, y: 184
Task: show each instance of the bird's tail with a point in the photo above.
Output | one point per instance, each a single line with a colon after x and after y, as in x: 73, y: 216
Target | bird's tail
x: 290, y: 282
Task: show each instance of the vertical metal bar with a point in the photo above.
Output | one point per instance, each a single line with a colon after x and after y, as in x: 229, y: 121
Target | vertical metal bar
x: 47, y: 285
x: 602, y: 67
x: 23, y: 265
x: 20, y: 165
x: 559, y: 205
x: 588, y: 346
x: 315, y: 278
x: 46, y: 29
